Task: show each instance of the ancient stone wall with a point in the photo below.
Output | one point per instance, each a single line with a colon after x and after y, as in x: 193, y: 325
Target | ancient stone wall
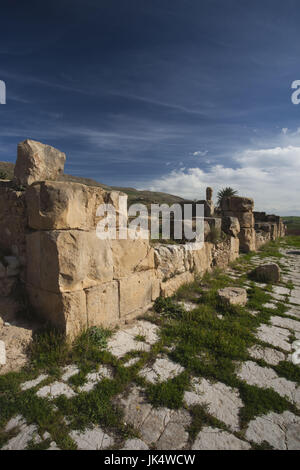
x: 75, y: 280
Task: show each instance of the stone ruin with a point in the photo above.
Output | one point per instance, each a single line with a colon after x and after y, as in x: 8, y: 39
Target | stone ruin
x: 73, y: 280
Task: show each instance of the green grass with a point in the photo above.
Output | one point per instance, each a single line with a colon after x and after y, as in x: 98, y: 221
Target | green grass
x: 293, y: 241
x: 169, y: 393
x: 200, y: 419
x: 288, y: 370
x: 258, y: 401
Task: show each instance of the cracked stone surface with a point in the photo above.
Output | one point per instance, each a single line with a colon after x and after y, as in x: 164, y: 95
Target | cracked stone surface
x: 270, y: 305
x: 25, y: 435
x: 92, y: 439
x: 124, y: 340
x: 223, y: 402
x: 281, y: 431
x: 281, y: 290
x: 294, y: 300
x: 54, y: 390
x: 95, y: 377
x: 278, y: 337
x: 265, y: 377
x: 33, y: 383
x: 216, y: 439
x: 69, y: 371
x: 162, y: 370
x: 155, y: 424
x: 131, y: 362
x: 135, y: 444
x: 175, y: 436
x: 278, y: 297
x: 271, y: 356
x: 293, y: 325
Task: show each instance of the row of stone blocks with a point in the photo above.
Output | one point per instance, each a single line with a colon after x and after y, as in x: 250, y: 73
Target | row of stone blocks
x: 75, y: 280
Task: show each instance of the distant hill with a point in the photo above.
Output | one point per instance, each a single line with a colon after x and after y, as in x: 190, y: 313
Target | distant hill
x: 293, y: 225
x: 134, y: 195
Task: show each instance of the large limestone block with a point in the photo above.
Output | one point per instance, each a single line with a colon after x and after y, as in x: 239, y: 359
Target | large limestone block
x: 136, y: 292
x: 62, y: 205
x: 231, y: 225
x: 203, y: 258
x: 247, y: 238
x: 67, y: 260
x: 66, y: 311
x: 37, y: 162
x: 131, y: 256
x: 237, y: 204
x: 102, y: 303
x: 233, y: 296
x: 266, y: 273
x: 169, y: 287
x: 171, y: 260
x: 246, y: 219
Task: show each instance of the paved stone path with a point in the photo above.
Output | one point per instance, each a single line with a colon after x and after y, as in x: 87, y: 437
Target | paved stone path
x: 164, y: 428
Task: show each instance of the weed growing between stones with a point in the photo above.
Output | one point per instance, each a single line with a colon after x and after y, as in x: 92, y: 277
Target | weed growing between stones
x: 288, y: 370
x: 200, y: 419
x: 259, y: 401
x: 169, y: 393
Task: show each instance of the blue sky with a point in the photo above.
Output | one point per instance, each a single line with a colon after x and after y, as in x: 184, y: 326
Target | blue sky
x: 169, y: 95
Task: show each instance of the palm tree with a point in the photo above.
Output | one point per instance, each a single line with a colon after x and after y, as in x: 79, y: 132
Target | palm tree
x: 225, y: 192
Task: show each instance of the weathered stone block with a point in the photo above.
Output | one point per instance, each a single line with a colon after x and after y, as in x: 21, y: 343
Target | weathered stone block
x: 136, y: 292
x: 131, y: 256
x: 155, y: 289
x: 171, y: 260
x: 203, y: 258
x: 64, y: 310
x: 59, y: 205
x: 68, y: 260
x: 209, y: 193
x: 247, y: 239
x: 233, y: 295
x: 246, y: 219
x: 37, y: 162
x: 231, y: 225
x: 169, y: 287
x: 103, y: 304
x: 266, y: 273
x: 237, y: 204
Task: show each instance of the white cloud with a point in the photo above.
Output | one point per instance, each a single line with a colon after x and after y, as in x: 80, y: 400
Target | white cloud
x: 270, y: 176
x: 284, y: 130
x: 200, y: 153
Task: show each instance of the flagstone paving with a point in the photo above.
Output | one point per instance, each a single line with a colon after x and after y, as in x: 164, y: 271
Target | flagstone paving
x: 143, y: 366
x: 223, y: 402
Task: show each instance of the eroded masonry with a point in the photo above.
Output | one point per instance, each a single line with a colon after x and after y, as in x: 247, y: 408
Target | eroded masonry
x: 73, y: 279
